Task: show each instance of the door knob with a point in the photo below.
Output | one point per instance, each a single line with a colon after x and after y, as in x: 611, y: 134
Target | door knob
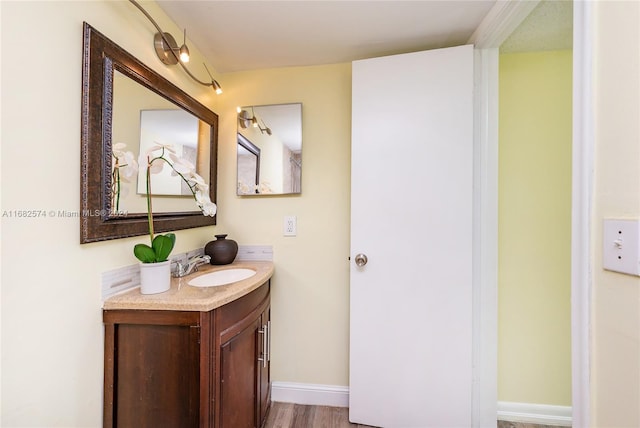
x: 361, y: 260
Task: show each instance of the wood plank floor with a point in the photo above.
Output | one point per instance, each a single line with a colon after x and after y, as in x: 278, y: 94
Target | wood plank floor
x: 504, y: 424
x: 289, y: 415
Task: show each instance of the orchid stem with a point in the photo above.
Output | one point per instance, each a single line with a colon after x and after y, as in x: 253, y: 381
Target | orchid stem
x: 149, y: 209
x: 118, y: 190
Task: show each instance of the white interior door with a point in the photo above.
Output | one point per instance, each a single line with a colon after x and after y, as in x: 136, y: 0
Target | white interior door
x: 411, y: 215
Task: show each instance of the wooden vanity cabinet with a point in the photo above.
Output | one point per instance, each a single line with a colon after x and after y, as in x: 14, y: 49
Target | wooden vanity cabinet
x: 189, y: 369
x: 242, y: 356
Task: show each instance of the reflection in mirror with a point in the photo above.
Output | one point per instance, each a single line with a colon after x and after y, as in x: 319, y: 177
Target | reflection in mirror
x: 120, y: 97
x: 142, y: 118
x: 177, y: 129
x: 248, y: 165
x: 269, y: 149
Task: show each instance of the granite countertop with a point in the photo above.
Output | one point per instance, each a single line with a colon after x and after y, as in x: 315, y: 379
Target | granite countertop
x: 184, y: 297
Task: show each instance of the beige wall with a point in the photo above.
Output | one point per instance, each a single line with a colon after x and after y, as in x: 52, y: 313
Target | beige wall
x: 616, y: 297
x: 311, y: 284
x: 534, y: 228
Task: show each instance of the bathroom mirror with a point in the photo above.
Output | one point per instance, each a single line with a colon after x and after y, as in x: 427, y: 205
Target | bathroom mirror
x: 269, y: 146
x: 124, y: 101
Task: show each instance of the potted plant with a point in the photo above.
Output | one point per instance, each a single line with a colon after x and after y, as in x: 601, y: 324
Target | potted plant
x: 155, y: 267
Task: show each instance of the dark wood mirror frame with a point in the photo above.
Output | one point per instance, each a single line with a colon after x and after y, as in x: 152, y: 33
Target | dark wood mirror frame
x: 101, y: 57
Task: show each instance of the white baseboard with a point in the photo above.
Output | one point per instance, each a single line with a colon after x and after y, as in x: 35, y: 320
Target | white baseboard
x: 534, y: 413
x: 303, y: 393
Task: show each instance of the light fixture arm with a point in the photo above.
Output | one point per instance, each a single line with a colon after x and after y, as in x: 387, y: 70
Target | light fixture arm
x: 214, y: 84
x: 155, y: 24
x: 245, y: 121
x: 184, y: 67
x: 265, y: 129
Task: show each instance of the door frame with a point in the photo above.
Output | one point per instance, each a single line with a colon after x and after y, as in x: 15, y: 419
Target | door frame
x: 500, y: 22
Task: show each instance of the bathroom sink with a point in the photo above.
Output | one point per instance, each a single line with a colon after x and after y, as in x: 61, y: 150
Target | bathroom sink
x: 221, y: 277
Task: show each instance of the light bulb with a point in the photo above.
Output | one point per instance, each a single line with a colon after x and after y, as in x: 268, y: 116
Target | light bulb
x: 214, y: 83
x: 184, y: 50
x: 184, y: 54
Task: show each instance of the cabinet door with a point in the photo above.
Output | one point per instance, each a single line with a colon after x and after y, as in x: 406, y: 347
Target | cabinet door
x: 264, y: 372
x: 152, y: 369
x: 238, y: 378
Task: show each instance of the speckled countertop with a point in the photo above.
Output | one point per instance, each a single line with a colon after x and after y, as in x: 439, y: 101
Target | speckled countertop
x: 184, y: 297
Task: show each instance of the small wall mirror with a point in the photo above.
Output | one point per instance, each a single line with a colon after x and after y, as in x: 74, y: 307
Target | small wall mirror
x: 124, y: 101
x: 269, y: 149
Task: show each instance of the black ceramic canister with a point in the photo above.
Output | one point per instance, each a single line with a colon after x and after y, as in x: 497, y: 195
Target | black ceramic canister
x: 222, y: 251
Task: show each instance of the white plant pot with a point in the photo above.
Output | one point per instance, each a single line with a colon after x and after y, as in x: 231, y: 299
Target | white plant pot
x: 155, y: 277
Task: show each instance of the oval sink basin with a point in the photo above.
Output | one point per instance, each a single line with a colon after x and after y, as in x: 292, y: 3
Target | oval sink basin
x: 221, y: 277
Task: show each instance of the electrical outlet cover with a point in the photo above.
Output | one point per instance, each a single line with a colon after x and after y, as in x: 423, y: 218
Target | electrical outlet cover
x: 290, y: 225
x: 621, y: 246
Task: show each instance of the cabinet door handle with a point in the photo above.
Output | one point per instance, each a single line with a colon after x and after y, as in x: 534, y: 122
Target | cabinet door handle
x: 269, y: 340
x: 264, y: 332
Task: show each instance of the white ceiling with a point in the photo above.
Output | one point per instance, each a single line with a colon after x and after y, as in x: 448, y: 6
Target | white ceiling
x: 548, y: 27
x: 244, y: 35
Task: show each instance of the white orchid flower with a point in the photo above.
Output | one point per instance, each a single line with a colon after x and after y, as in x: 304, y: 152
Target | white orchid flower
x: 209, y: 209
x: 204, y: 188
x: 118, y: 150
x: 204, y: 202
x: 129, y: 167
x: 197, y: 180
x: 182, y: 166
x: 158, y: 154
x: 201, y: 198
x: 157, y: 147
x: 156, y: 166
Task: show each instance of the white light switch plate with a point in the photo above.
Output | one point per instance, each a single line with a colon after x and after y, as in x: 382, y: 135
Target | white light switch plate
x: 621, y: 246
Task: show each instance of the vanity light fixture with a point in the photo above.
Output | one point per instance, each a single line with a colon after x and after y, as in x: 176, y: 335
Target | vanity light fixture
x: 170, y: 54
x: 184, y: 50
x: 254, y: 119
x: 245, y: 120
x: 167, y: 48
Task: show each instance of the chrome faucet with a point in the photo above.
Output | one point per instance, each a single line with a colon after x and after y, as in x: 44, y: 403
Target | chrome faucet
x: 183, y: 269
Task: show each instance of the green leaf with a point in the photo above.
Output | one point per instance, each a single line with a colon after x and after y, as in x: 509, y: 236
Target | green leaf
x: 144, y: 253
x: 162, y: 246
